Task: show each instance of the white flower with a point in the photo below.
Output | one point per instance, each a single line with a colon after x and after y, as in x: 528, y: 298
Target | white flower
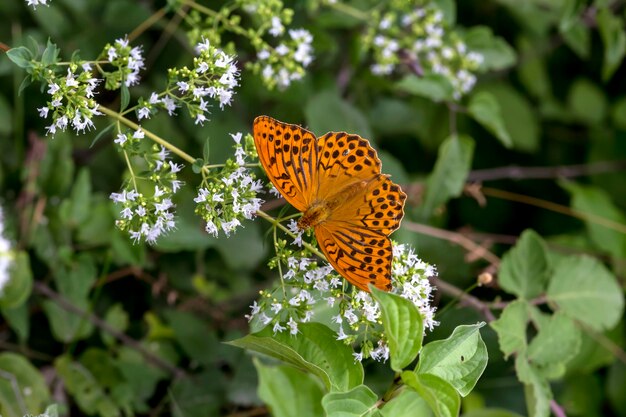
x: 183, y: 86
x: 263, y: 54
x: 202, y: 46
x: 282, y: 49
x: 277, y: 28
x: 278, y: 328
x: 139, y: 134
x: 6, y: 256
x: 53, y: 88
x: 154, y: 98
x: 35, y: 3
x: 43, y: 112
x: 293, y: 326
x: 143, y: 113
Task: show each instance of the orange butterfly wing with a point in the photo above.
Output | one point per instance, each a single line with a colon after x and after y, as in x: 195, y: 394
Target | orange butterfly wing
x: 288, y: 154
x: 343, y: 168
x: 354, y: 238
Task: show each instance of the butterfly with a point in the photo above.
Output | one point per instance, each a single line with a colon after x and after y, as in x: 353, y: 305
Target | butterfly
x: 335, y: 181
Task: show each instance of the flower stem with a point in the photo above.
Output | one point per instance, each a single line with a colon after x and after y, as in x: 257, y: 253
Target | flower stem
x: 182, y: 154
x: 278, y: 224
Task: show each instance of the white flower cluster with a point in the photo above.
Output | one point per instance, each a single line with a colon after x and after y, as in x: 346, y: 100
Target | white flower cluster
x: 309, y: 285
x: 231, y: 196
x: 71, y: 102
x: 148, y: 217
x: 423, y: 36
x: 410, y: 277
x: 6, y: 256
x: 214, y: 75
x: 286, y: 62
x: 128, y: 60
x: 35, y: 3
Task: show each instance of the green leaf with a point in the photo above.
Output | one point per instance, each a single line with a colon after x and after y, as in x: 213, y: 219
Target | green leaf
x: 484, y: 108
x: 73, y: 283
x: 407, y: 403
x: 50, y: 54
x: 442, y: 398
x: 525, y: 268
x: 20, y: 56
x: 578, y: 38
x: 520, y: 119
x: 141, y: 377
x: 125, y: 97
x: 611, y: 29
x: 97, y: 228
x: 532, y: 71
x: 23, y: 389
x: 359, y: 401
x: 448, y: 8
x: 536, y: 388
x: 194, y: 336
x: 198, y: 395
x: 447, y: 179
x: 598, y: 203
x: 80, y: 198
x: 570, y: 13
x: 491, y: 412
x: 314, y: 349
x: 20, y: 284
x: 618, y: 113
x: 327, y: 111
x: 459, y: 360
x: 511, y: 327
x: 403, y: 326
x: 434, y: 87
x: 118, y: 319
x: 616, y: 386
x: 57, y: 168
x: 587, y: 102
x: 289, y: 392
x: 585, y: 290
x: 6, y: 116
x: 592, y: 354
x: 497, y: 53
x: 558, y: 340
x: 84, y: 387
x: 19, y: 320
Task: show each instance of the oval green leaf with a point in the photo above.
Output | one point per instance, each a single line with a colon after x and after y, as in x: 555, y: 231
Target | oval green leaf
x: 459, y: 360
x: 403, y: 325
x: 314, y: 349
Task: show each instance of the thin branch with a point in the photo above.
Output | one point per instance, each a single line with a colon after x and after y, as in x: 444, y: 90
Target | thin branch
x: 464, y: 298
x: 558, y: 208
x: 65, y: 304
x: 455, y: 238
x: 564, y: 171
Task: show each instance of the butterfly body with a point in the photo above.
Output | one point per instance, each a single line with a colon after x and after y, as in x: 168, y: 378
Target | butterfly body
x: 335, y: 181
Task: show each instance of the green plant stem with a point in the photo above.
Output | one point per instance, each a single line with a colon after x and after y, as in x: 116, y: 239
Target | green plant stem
x: 115, y: 115
x: 278, y: 224
x: 350, y: 11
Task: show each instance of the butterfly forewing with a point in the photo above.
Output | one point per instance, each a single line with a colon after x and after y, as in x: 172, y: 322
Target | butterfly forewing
x: 360, y: 255
x: 344, y: 159
x: 288, y: 154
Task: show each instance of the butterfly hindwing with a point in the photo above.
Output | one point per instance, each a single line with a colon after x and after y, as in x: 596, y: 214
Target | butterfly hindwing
x: 379, y: 207
x: 360, y: 255
x: 288, y: 154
